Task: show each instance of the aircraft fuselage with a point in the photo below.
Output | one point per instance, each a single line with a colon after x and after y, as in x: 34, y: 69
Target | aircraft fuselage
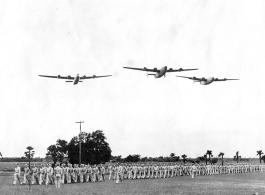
x: 161, y: 72
x: 207, y: 81
x: 76, y: 80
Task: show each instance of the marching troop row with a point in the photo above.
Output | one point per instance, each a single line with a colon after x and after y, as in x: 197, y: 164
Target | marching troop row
x: 96, y: 173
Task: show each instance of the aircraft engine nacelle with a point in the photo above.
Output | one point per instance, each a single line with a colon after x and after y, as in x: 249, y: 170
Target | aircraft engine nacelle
x: 224, y: 79
x: 203, y: 79
x: 170, y: 69
x: 145, y: 68
x: 216, y: 79
x: 59, y: 76
x: 194, y: 78
x: 94, y: 76
x: 69, y: 76
x: 84, y: 76
x: 181, y: 69
x: 155, y: 69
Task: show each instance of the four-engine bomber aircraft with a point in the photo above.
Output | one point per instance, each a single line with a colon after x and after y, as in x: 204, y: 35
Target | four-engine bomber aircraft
x: 76, y: 79
x: 161, y: 72
x: 206, y: 81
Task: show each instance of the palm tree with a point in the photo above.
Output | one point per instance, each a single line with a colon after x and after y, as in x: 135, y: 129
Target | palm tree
x: 184, y: 156
x: 209, y: 153
x: 237, y: 157
x: 222, y: 156
x: 259, y: 152
x: 29, y: 153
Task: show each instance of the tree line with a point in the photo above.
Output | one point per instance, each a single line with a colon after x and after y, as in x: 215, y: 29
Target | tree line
x: 95, y: 150
x: 207, y: 158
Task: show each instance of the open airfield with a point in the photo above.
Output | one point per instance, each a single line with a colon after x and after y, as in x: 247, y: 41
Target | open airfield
x: 244, y: 183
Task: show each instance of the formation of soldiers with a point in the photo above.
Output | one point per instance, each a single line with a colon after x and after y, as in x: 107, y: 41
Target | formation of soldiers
x: 63, y: 174
x: 146, y: 171
x: 96, y: 173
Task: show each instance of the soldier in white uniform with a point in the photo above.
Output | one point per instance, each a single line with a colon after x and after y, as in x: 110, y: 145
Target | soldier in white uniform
x: 134, y: 171
x: 17, y: 174
x: 42, y: 174
x: 103, y: 172
x: 119, y: 176
x: 64, y: 174
x: 95, y: 172
x: 58, y: 175
x: 35, y: 175
x: 156, y: 171
x: 82, y: 172
x: 193, y: 170
x: 75, y: 173
x: 110, y: 170
x: 89, y: 174
x: 49, y: 178
x: 69, y: 173
x: 129, y: 170
x: 26, y: 172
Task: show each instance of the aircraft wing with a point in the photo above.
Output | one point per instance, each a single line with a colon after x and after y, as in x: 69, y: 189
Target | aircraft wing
x: 58, y: 77
x: 143, y: 69
x: 180, y: 70
x: 216, y: 79
x: 94, y: 77
x: 192, y: 78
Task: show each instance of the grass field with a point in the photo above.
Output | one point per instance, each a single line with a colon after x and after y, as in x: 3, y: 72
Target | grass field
x: 238, y: 184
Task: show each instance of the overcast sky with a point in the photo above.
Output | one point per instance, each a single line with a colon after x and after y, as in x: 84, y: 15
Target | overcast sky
x: 139, y: 115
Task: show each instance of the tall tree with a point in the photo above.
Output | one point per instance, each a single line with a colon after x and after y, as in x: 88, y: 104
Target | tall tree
x: 52, y: 152
x: 30, y: 153
x: 222, y: 157
x: 209, y: 153
x: 94, y: 148
x: 184, y: 156
x: 259, y: 152
x: 58, y: 151
x: 237, y: 157
x: 172, y: 155
x: 1, y: 155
